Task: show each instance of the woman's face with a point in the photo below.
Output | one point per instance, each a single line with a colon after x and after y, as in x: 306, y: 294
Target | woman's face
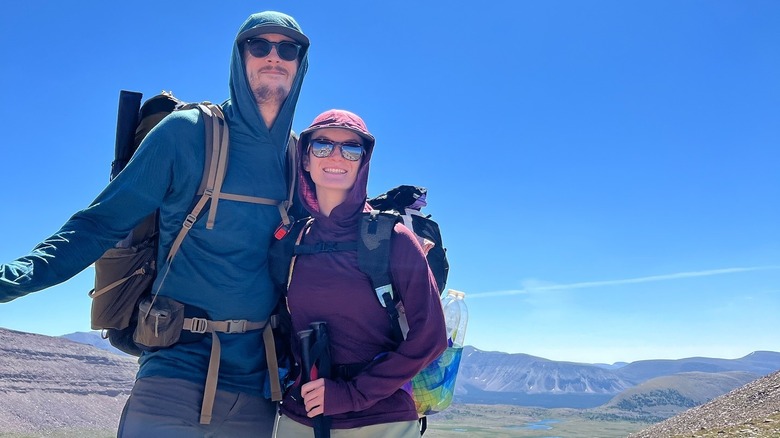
x: 334, y: 172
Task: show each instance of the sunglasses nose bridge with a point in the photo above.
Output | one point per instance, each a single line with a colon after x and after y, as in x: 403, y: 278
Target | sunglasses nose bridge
x: 336, y: 147
x: 273, y: 51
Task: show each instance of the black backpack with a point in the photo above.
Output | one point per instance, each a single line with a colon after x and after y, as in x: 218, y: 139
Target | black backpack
x: 408, y: 201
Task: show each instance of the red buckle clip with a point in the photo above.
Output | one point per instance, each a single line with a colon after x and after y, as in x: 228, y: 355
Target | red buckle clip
x: 282, y: 230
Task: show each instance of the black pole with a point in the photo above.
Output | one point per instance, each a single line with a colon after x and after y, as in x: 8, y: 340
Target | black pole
x: 305, y: 337
x: 321, y: 358
x: 126, y: 122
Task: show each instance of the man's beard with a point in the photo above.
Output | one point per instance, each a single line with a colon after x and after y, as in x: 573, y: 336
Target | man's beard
x: 265, y: 94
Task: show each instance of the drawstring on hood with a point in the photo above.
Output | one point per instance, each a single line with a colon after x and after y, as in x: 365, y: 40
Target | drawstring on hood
x: 356, y: 198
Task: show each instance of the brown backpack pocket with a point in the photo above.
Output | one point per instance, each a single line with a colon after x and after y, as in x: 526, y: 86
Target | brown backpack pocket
x: 160, y: 322
x: 122, y: 276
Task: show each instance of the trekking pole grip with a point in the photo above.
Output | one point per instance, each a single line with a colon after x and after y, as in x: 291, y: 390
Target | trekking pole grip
x: 306, y: 341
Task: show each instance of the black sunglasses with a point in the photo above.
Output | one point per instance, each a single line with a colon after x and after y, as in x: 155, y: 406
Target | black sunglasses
x: 322, y: 148
x: 260, y: 48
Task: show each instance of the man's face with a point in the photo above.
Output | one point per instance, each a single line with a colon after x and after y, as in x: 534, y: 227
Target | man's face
x: 270, y: 76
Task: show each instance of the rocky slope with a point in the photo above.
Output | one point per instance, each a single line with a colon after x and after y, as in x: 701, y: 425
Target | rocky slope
x: 48, y: 383
x: 752, y: 410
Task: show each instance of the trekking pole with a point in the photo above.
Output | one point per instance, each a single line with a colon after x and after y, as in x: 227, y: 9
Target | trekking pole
x: 305, y: 337
x: 320, y: 357
x: 306, y: 365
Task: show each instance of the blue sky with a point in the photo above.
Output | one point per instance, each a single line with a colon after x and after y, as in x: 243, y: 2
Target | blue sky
x: 606, y: 173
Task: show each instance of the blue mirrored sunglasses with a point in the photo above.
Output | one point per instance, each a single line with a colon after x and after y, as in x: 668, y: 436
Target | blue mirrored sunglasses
x: 322, y: 148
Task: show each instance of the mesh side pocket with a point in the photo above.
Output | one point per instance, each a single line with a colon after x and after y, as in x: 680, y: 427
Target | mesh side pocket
x: 434, y: 386
x: 122, y: 276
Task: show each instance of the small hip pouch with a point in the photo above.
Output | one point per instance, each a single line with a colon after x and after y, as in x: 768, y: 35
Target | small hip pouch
x: 160, y: 321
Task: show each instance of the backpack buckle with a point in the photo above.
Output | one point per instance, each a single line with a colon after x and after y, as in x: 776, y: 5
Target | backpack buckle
x: 189, y: 220
x: 381, y: 293
x: 199, y: 325
x: 283, y: 229
x: 236, y: 326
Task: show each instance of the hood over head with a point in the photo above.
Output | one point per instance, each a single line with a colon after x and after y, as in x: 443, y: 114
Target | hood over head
x: 241, y: 109
x: 356, y: 198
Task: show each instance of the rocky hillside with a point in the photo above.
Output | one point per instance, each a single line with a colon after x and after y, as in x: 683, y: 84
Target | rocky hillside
x: 752, y: 411
x: 663, y: 397
x: 48, y: 383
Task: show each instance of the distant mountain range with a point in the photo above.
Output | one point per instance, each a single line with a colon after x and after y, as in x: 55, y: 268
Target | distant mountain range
x: 94, y: 339
x: 42, y: 378
x: 502, y: 378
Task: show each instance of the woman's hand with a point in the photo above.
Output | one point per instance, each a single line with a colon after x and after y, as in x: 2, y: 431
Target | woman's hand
x: 314, y: 397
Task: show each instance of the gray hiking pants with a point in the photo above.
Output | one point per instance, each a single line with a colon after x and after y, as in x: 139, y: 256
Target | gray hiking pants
x: 170, y: 408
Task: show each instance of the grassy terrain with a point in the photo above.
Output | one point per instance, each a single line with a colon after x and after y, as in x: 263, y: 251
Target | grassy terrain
x: 63, y: 433
x: 503, y: 421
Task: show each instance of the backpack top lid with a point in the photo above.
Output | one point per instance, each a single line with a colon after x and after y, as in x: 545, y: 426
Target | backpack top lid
x: 401, y: 198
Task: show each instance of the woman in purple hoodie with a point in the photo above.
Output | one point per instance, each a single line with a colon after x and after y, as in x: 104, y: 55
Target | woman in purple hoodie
x: 365, y: 395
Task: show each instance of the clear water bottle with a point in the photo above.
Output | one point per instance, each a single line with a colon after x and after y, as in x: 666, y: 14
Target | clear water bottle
x: 452, y: 312
x: 463, y: 321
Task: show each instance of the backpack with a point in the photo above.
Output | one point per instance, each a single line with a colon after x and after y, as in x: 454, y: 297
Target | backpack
x: 122, y: 299
x: 407, y: 202
x: 401, y: 204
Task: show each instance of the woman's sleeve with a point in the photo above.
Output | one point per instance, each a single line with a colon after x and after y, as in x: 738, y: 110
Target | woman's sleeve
x: 426, y: 339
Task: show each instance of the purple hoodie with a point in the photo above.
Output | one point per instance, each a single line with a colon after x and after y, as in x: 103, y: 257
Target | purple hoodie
x: 330, y: 287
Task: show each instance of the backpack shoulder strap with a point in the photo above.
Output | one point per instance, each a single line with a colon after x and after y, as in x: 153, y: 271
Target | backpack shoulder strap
x: 373, y: 248
x: 214, y: 169
x: 292, y: 170
x: 282, y: 252
x: 285, y: 208
x: 299, y: 230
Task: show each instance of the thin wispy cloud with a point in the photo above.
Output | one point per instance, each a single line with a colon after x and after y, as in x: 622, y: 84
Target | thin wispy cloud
x: 603, y: 283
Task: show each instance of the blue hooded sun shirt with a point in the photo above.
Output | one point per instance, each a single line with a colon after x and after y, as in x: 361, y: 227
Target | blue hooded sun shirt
x: 223, y: 270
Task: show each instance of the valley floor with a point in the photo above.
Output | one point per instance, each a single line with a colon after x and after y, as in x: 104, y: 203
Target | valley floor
x: 503, y: 421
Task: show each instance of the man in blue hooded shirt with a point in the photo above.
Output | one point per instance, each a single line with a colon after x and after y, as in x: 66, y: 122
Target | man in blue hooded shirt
x: 222, y: 270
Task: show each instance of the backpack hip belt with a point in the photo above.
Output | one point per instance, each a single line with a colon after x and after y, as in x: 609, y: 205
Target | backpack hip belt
x: 232, y: 326
x: 164, y: 322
